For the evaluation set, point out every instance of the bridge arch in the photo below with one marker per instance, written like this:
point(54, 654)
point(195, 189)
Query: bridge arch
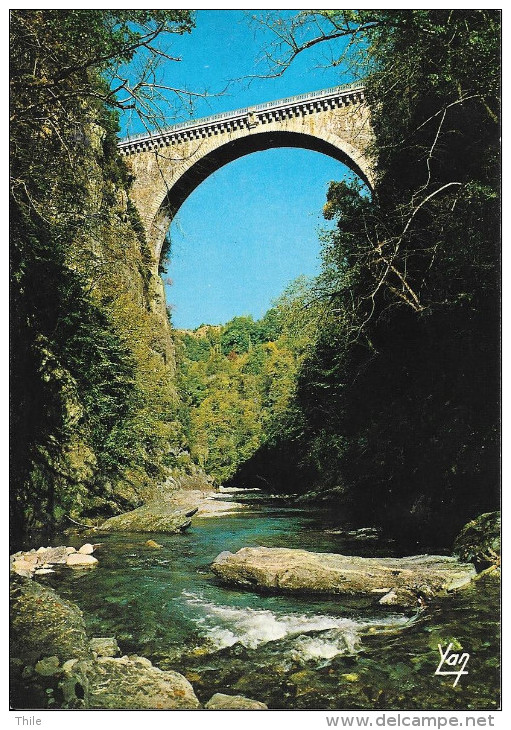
point(167, 166)
point(193, 174)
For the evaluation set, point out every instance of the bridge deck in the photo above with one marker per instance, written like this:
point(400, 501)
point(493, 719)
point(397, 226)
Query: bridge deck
point(348, 92)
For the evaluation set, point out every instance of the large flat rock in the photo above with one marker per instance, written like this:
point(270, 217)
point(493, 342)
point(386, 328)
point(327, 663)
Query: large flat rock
point(390, 581)
point(152, 517)
point(171, 514)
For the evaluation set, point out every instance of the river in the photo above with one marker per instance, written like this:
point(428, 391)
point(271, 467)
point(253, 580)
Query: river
point(290, 652)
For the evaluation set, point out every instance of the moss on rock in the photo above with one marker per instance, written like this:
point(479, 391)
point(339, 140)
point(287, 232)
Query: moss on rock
point(479, 541)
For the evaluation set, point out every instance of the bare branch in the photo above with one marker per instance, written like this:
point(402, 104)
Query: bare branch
point(321, 26)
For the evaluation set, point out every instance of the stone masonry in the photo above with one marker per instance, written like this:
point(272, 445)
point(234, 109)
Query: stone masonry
point(168, 165)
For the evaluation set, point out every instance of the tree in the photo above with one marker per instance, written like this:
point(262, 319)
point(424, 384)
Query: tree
point(239, 335)
point(87, 393)
point(397, 403)
point(55, 52)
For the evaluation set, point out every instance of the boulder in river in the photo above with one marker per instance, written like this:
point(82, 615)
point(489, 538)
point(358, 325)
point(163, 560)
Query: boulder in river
point(479, 541)
point(53, 555)
point(132, 683)
point(402, 582)
point(77, 560)
point(23, 567)
point(48, 666)
point(44, 624)
point(151, 517)
point(220, 701)
point(86, 549)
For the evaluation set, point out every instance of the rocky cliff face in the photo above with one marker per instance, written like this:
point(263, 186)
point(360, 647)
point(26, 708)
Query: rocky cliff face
point(112, 252)
point(95, 407)
point(112, 255)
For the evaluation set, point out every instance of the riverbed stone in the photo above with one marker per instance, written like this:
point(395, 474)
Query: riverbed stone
point(105, 646)
point(23, 568)
point(74, 683)
point(44, 624)
point(127, 684)
point(220, 701)
point(86, 549)
point(409, 580)
point(361, 534)
point(76, 560)
point(48, 666)
point(405, 596)
point(53, 555)
point(68, 665)
point(151, 517)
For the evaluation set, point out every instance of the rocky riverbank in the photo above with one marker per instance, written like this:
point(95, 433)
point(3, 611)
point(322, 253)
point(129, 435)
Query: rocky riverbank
point(54, 664)
point(172, 515)
point(46, 559)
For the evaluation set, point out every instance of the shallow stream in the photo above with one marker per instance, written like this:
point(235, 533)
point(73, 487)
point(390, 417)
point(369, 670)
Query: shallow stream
point(289, 652)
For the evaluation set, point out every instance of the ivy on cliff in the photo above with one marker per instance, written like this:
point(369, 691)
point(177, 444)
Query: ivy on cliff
point(91, 399)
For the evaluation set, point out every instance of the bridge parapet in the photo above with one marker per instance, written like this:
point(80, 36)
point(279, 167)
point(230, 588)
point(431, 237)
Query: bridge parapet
point(246, 118)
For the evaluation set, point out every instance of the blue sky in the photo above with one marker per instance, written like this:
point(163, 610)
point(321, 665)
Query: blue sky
point(251, 227)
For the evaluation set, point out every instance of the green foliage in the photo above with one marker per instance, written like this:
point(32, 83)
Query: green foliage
point(165, 255)
point(93, 405)
point(72, 384)
point(238, 335)
point(237, 382)
point(396, 408)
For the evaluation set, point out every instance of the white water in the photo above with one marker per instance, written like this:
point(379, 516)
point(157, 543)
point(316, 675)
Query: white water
point(316, 636)
point(231, 490)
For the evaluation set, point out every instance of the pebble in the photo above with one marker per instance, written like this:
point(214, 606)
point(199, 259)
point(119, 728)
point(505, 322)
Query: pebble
point(153, 544)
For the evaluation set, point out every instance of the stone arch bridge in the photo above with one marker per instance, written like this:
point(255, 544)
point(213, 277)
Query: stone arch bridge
point(168, 165)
